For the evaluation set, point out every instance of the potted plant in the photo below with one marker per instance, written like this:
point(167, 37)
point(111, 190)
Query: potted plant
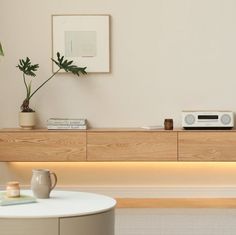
point(27, 115)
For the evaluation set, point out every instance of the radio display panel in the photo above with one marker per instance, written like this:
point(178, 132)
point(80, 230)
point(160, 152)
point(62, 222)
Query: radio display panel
point(213, 117)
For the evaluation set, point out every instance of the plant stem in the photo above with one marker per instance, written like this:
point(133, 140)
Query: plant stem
point(27, 92)
point(44, 83)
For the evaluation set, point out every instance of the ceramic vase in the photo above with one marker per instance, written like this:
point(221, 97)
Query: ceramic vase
point(27, 120)
point(41, 182)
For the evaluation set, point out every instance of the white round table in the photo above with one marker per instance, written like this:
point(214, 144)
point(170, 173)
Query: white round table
point(64, 213)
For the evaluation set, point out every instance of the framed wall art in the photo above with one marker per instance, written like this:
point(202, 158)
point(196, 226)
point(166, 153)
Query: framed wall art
point(85, 39)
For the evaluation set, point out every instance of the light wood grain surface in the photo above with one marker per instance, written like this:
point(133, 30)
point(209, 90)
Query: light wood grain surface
point(176, 203)
point(117, 144)
point(42, 146)
point(132, 146)
point(207, 146)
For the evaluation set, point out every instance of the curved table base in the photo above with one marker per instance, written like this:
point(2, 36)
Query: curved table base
point(94, 224)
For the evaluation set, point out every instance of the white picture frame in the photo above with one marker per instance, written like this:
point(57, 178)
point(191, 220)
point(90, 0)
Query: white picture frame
point(85, 39)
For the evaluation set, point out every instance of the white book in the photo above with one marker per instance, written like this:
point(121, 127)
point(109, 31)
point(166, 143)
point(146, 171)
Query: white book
point(81, 121)
point(65, 124)
point(23, 199)
point(157, 127)
point(66, 127)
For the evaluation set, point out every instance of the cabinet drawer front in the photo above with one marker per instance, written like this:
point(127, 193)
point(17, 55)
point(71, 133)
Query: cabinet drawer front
point(29, 226)
point(132, 146)
point(43, 146)
point(207, 146)
point(97, 224)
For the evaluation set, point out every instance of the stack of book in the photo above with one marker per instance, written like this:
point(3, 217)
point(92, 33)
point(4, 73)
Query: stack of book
point(23, 199)
point(67, 124)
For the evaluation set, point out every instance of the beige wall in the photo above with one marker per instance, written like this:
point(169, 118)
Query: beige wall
point(167, 55)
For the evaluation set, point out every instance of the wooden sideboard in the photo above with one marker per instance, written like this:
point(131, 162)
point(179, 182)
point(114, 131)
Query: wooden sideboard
point(41, 145)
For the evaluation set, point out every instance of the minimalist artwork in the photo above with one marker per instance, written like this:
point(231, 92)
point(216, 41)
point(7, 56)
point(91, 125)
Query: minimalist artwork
point(83, 39)
point(80, 44)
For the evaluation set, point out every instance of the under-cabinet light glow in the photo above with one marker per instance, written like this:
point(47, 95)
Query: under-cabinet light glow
point(125, 164)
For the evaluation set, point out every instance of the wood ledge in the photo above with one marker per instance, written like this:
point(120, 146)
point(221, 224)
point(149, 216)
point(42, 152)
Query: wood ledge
point(123, 203)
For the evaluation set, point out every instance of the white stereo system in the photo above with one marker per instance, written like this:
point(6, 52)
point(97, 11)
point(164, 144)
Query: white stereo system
point(207, 119)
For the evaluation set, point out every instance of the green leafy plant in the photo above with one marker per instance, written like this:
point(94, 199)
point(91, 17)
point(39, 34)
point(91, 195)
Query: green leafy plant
point(1, 50)
point(29, 70)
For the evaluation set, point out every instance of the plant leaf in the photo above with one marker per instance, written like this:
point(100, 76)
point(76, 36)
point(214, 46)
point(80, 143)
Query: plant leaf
point(1, 50)
point(27, 68)
point(68, 66)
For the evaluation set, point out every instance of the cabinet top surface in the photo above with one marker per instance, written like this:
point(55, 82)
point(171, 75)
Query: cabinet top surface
point(60, 204)
point(5, 130)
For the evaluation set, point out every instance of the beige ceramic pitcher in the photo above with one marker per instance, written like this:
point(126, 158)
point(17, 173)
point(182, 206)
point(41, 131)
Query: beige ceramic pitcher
point(41, 183)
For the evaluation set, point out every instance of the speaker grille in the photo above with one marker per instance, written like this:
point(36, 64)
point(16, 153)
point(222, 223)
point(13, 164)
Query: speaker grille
point(189, 119)
point(225, 119)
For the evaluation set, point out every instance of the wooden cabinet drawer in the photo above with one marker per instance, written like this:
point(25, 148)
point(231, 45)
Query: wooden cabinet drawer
point(207, 146)
point(132, 146)
point(43, 146)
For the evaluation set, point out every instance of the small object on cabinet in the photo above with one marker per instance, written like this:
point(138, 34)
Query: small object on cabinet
point(13, 189)
point(168, 124)
point(67, 123)
point(157, 127)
